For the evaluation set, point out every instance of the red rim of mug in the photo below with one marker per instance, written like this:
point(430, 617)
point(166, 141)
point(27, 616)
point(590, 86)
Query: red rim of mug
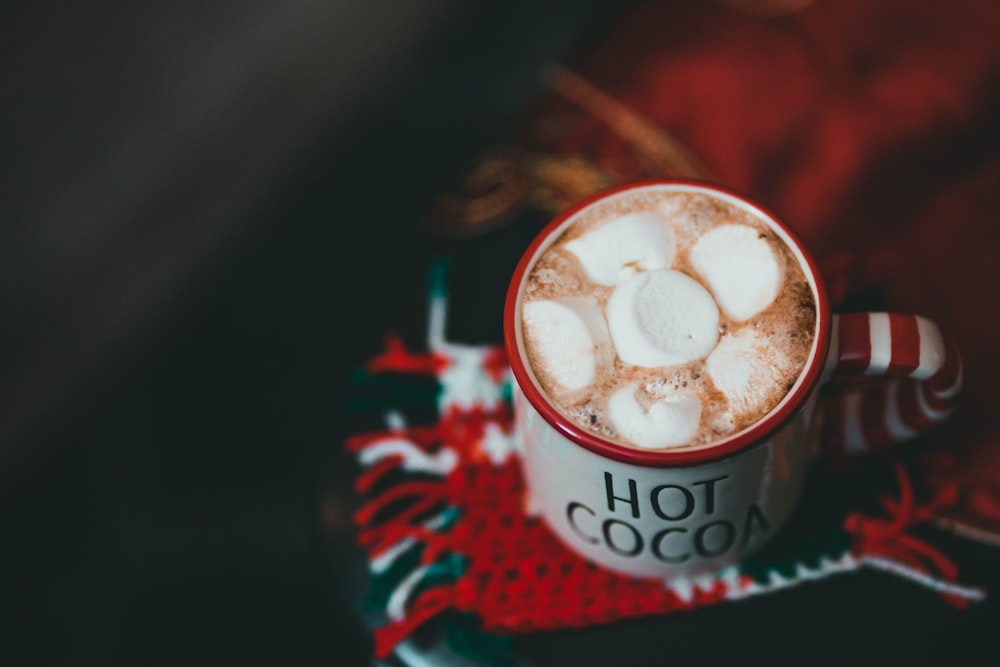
point(756, 434)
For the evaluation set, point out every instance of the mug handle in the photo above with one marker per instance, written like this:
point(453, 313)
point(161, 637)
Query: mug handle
point(889, 377)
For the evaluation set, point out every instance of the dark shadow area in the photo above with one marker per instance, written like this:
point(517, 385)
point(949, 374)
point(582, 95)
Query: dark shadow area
point(207, 213)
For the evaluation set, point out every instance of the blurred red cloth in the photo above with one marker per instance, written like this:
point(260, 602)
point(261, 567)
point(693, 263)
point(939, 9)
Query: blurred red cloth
point(869, 127)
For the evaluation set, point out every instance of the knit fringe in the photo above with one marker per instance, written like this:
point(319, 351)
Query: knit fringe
point(884, 544)
point(410, 515)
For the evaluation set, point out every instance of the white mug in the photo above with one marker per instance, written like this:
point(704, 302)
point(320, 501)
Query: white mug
point(686, 512)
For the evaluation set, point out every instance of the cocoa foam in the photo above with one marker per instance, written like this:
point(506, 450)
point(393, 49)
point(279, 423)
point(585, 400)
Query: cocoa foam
point(787, 324)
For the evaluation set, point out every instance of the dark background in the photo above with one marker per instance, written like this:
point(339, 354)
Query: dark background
point(205, 211)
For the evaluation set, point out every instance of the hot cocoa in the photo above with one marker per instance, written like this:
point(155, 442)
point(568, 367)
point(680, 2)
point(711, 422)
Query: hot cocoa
point(665, 318)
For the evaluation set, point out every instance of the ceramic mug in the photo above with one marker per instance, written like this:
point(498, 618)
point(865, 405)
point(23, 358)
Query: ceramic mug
point(686, 512)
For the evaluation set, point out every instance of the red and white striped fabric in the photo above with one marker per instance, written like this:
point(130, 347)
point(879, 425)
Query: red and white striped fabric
point(920, 373)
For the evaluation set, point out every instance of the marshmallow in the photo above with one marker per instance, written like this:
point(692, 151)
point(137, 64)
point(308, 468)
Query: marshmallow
point(569, 339)
point(618, 250)
point(662, 318)
point(669, 422)
point(740, 267)
point(750, 371)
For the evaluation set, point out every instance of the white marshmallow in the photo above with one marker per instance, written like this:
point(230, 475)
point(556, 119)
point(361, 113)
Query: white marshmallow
point(616, 251)
point(662, 318)
point(749, 370)
point(669, 422)
point(741, 268)
point(570, 341)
